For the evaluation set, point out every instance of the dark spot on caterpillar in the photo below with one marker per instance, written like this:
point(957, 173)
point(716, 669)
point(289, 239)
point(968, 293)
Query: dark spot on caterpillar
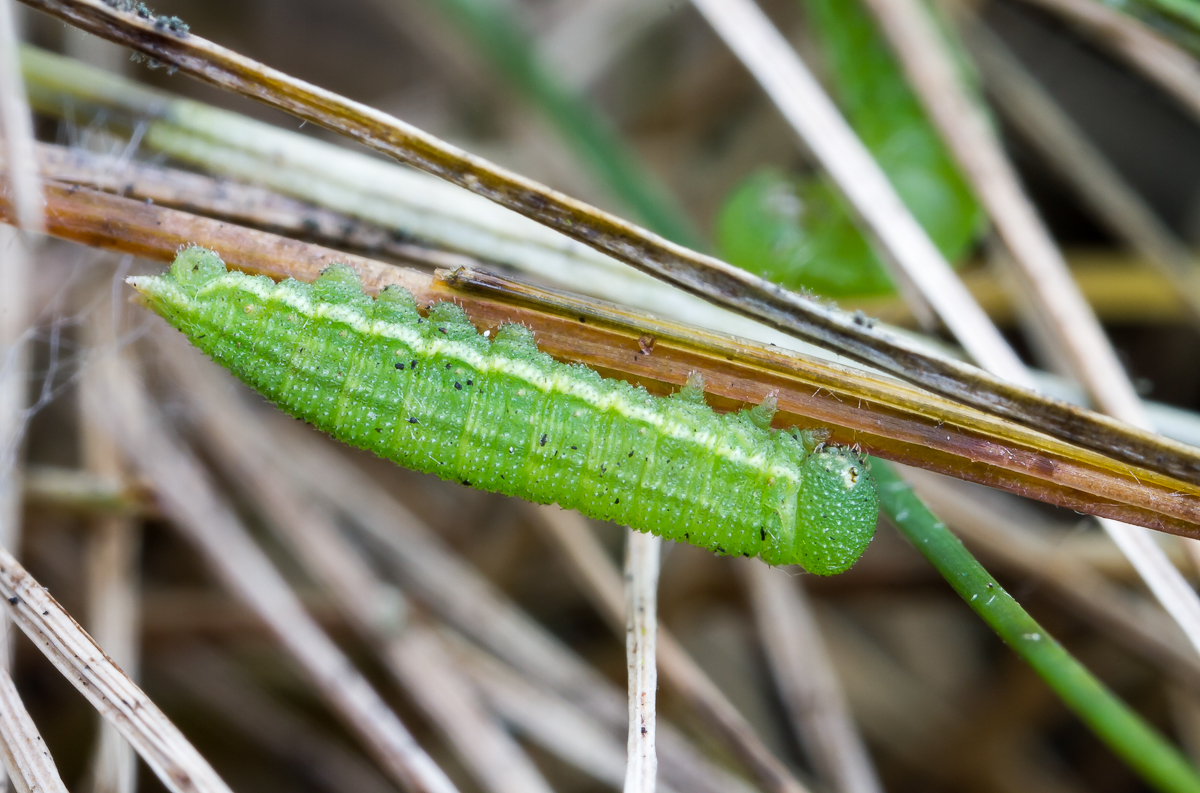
point(467, 483)
point(574, 447)
point(400, 366)
point(618, 501)
point(447, 366)
point(583, 319)
point(470, 382)
point(762, 532)
point(443, 330)
point(14, 601)
point(412, 365)
point(412, 421)
point(543, 441)
point(631, 453)
point(687, 535)
point(458, 386)
point(718, 549)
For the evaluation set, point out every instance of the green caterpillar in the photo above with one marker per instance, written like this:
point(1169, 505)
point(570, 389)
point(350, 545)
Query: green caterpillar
point(432, 394)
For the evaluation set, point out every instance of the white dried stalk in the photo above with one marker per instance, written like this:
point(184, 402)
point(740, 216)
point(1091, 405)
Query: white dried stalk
point(30, 767)
point(113, 551)
point(600, 580)
point(918, 267)
point(164, 749)
point(804, 674)
point(642, 553)
point(192, 503)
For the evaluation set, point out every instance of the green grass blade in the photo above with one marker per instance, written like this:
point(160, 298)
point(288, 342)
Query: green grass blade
point(500, 38)
point(1125, 732)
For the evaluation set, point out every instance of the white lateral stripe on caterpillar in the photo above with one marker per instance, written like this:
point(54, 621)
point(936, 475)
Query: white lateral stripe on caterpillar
point(560, 383)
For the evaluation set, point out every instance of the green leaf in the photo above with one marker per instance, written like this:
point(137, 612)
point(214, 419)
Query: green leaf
point(798, 233)
point(872, 91)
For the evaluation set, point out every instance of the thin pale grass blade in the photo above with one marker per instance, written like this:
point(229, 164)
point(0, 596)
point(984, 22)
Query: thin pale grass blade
point(118, 699)
point(884, 417)
point(806, 679)
point(16, 128)
point(642, 552)
point(193, 505)
point(1096, 182)
point(450, 588)
point(30, 767)
point(1147, 51)
point(923, 274)
point(243, 204)
point(23, 189)
point(374, 608)
point(111, 565)
point(1117, 285)
point(600, 580)
point(702, 275)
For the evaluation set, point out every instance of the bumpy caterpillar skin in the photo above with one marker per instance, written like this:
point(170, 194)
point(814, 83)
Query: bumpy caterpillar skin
point(434, 395)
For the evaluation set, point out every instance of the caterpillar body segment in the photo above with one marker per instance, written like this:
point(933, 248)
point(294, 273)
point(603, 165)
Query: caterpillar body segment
point(432, 394)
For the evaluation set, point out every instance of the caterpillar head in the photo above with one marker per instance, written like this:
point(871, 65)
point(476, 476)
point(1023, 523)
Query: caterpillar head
point(836, 511)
